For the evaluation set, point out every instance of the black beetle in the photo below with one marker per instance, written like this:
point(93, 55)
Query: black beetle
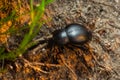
point(72, 33)
point(75, 34)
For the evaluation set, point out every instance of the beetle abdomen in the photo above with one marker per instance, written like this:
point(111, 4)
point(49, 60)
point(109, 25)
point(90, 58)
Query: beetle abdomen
point(77, 33)
point(73, 33)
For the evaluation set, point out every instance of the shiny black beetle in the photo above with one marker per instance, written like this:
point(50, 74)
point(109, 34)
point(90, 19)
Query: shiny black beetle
point(72, 33)
point(75, 34)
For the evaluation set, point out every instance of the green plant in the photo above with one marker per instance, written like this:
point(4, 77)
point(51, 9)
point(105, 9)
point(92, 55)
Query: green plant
point(27, 40)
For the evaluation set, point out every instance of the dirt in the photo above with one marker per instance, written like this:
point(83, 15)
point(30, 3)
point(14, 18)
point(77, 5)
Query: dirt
point(99, 61)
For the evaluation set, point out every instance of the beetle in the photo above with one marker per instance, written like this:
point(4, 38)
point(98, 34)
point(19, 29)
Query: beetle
point(73, 33)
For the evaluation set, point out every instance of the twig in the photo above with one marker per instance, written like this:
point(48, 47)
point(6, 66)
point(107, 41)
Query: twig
point(63, 60)
point(41, 39)
point(40, 46)
point(46, 64)
point(34, 64)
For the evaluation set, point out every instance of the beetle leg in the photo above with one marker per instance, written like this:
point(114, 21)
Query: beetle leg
point(82, 47)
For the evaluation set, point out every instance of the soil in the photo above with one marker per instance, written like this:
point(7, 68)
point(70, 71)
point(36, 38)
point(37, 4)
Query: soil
point(98, 59)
